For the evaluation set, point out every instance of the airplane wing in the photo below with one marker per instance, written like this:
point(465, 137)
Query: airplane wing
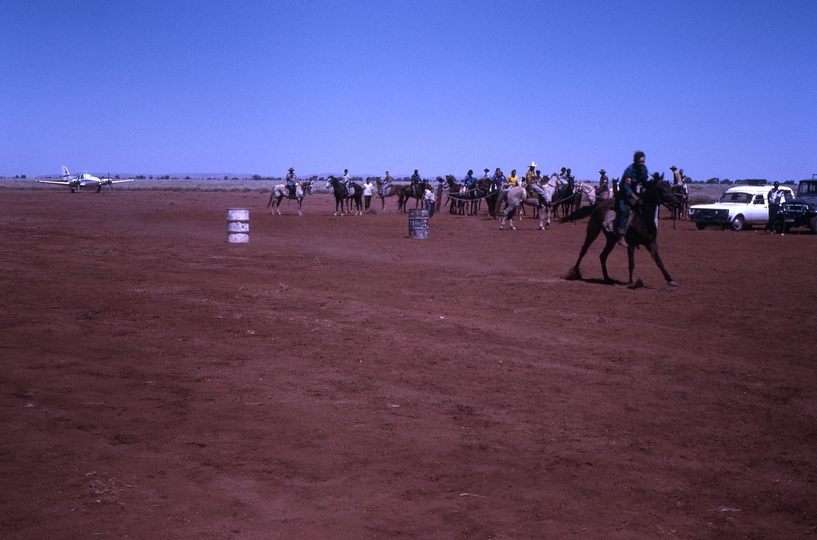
point(108, 181)
point(58, 182)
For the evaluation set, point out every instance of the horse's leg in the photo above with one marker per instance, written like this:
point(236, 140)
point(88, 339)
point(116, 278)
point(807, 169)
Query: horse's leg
point(301, 200)
point(631, 260)
point(590, 237)
point(653, 249)
point(541, 210)
point(612, 239)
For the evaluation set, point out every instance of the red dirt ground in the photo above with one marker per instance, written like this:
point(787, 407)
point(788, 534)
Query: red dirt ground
point(334, 378)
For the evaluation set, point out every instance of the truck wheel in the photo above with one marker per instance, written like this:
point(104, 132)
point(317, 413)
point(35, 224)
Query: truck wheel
point(737, 223)
point(813, 225)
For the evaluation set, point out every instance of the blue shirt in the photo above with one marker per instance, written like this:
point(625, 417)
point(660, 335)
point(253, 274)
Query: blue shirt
point(470, 181)
point(636, 178)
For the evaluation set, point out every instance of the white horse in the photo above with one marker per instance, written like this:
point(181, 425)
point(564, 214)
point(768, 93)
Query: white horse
point(516, 197)
point(553, 188)
point(281, 191)
point(586, 190)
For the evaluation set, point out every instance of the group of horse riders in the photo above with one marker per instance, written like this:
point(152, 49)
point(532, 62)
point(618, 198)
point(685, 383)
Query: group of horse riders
point(498, 181)
point(623, 192)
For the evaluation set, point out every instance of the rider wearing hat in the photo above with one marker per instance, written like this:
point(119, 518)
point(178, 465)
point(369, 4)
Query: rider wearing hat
point(676, 176)
point(603, 186)
point(292, 179)
point(532, 178)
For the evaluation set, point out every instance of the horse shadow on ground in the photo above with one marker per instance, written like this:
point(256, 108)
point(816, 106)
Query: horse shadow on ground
point(637, 284)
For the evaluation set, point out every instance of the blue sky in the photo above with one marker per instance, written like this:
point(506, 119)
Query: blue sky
point(723, 88)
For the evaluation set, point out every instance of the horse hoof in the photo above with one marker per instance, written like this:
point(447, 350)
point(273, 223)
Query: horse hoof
point(672, 283)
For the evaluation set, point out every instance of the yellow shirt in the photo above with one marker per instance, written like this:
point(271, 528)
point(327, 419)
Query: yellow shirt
point(512, 180)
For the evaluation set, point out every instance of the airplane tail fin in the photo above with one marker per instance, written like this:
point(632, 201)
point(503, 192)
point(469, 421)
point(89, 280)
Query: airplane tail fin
point(65, 174)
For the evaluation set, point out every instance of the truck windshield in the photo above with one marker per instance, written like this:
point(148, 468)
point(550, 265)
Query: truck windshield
point(736, 197)
point(807, 188)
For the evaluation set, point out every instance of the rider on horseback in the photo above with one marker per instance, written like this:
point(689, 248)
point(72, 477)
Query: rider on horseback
point(680, 189)
point(415, 181)
point(513, 179)
point(470, 181)
point(292, 179)
point(498, 179)
point(532, 178)
point(635, 175)
point(563, 176)
point(386, 184)
point(604, 186)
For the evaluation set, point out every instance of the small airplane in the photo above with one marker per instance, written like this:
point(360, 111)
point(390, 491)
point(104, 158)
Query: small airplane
point(84, 180)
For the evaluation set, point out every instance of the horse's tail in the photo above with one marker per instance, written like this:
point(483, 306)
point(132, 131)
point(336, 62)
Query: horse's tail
point(582, 212)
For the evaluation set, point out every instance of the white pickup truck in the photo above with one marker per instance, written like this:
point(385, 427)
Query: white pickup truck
point(739, 208)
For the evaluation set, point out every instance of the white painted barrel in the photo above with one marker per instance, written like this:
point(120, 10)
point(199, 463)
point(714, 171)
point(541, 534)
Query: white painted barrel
point(238, 225)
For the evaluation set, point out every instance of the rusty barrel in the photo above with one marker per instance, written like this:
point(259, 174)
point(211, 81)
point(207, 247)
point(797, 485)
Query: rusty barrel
point(238, 225)
point(418, 223)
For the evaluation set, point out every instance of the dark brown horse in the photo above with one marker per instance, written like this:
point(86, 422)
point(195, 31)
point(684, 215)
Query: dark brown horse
point(641, 231)
point(404, 194)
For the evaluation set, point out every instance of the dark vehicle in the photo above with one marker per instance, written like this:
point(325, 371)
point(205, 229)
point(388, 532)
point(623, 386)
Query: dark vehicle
point(801, 211)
